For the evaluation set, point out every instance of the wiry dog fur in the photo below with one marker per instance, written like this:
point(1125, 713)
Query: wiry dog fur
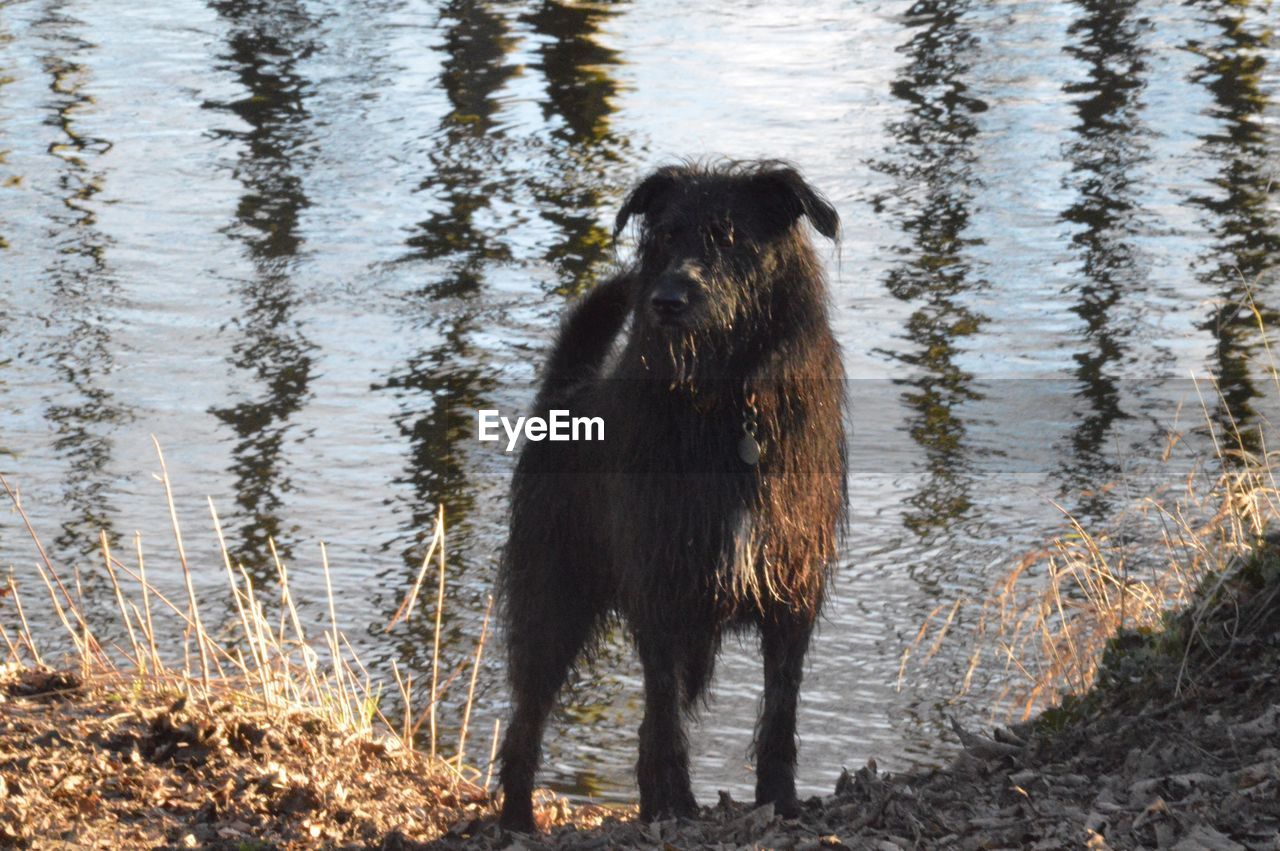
point(722, 321)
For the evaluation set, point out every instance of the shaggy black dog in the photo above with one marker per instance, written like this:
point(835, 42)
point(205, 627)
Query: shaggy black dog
point(717, 497)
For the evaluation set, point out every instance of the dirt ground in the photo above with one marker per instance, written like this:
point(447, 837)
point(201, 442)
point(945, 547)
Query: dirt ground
point(1177, 747)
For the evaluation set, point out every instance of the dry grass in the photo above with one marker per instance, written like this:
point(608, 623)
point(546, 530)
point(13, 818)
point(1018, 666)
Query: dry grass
point(268, 665)
point(270, 733)
point(1042, 628)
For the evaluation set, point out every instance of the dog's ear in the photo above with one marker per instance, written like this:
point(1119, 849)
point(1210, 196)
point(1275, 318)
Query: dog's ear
point(797, 198)
point(647, 199)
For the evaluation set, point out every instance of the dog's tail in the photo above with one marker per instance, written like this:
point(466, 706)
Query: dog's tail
point(588, 332)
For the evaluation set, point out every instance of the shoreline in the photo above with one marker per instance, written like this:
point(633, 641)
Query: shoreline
point(1177, 746)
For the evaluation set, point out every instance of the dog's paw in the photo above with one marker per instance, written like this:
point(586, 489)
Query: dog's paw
point(516, 820)
point(786, 806)
point(685, 807)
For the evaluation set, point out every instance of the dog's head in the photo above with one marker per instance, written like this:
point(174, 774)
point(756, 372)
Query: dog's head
point(717, 240)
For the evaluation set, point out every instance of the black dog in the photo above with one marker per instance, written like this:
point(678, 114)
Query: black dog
point(717, 497)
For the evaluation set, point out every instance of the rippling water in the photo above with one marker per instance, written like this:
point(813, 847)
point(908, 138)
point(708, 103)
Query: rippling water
point(301, 242)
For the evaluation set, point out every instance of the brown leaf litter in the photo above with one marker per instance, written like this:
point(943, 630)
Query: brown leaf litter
point(90, 766)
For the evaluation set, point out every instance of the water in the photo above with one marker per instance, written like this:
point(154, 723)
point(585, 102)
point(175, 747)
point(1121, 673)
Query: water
point(301, 242)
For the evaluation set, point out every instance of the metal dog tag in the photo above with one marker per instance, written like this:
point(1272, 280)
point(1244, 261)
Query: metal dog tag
point(749, 450)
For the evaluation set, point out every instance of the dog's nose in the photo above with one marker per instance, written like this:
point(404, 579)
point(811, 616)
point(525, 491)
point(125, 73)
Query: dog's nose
point(669, 299)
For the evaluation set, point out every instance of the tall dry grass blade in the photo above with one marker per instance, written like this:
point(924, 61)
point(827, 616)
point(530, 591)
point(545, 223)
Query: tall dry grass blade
point(915, 642)
point(405, 684)
point(186, 568)
point(81, 650)
point(406, 607)
point(974, 658)
point(258, 661)
point(22, 619)
point(335, 648)
point(1204, 408)
point(1262, 332)
point(471, 688)
point(288, 606)
point(457, 671)
point(943, 630)
point(75, 576)
point(13, 650)
point(124, 612)
point(435, 650)
point(85, 637)
point(44, 556)
point(493, 754)
point(258, 634)
point(152, 670)
point(355, 657)
point(146, 602)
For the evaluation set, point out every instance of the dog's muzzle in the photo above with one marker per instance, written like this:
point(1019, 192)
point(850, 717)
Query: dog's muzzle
point(670, 298)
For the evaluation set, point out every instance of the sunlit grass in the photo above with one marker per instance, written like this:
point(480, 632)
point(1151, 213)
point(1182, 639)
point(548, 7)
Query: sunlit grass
point(267, 664)
point(1041, 629)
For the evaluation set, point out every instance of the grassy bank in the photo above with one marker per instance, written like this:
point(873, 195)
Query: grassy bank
point(272, 735)
point(1043, 628)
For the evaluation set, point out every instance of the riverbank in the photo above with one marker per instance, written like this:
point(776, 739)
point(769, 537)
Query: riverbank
point(268, 734)
point(1177, 746)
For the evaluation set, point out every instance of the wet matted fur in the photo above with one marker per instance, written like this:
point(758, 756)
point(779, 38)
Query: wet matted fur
point(716, 343)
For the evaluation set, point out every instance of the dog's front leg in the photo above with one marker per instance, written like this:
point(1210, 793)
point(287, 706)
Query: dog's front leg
point(663, 769)
point(785, 638)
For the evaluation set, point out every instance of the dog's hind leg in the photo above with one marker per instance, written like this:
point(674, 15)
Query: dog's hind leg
point(785, 638)
point(663, 769)
point(587, 333)
point(697, 666)
point(543, 643)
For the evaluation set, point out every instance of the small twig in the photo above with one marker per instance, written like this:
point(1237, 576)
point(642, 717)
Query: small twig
point(981, 745)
